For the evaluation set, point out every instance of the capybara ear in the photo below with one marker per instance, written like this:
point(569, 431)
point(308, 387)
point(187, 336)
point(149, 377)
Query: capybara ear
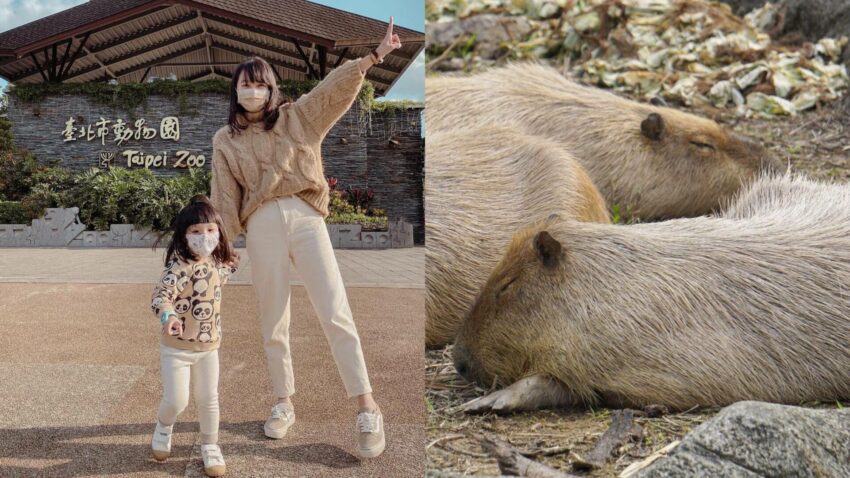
point(658, 101)
point(553, 216)
point(653, 126)
point(548, 248)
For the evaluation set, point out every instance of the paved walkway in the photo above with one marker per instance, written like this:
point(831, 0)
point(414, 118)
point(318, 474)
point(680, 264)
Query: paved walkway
point(80, 383)
point(388, 268)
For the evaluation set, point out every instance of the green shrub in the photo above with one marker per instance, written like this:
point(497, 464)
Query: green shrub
point(12, 212)
point(16, 174)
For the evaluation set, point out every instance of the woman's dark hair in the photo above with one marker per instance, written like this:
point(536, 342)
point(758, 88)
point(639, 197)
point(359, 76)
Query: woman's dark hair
point(199, 210)
point(258, 70)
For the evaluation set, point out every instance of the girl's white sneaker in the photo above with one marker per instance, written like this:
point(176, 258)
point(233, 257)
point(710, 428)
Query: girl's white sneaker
point(213, 460)
point(161, 441)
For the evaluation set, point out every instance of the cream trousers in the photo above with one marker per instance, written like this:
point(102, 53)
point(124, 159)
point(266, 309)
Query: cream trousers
point(289, 229)
point(177, 367)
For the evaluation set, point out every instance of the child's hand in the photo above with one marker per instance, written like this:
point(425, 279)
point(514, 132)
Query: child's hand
point(233, 262)
point(172, 326)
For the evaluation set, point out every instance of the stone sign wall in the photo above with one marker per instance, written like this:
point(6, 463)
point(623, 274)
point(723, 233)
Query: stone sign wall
point(383, 151)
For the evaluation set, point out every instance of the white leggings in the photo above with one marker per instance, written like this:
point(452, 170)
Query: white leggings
point(177, 366)
point(289, 229)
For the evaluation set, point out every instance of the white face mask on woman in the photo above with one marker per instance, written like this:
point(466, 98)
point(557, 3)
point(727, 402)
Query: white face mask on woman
point(252, 99)
point(202, 244)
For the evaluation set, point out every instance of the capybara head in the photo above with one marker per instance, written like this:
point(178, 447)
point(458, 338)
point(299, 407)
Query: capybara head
point(503, 327)
point(704, 164)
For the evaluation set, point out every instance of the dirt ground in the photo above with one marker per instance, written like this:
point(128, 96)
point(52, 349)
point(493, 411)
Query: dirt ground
point(816, 143)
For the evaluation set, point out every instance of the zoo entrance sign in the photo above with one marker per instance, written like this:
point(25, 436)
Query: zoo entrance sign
point(169, 128)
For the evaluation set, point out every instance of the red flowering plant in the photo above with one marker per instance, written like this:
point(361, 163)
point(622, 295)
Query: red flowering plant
point(351, 205)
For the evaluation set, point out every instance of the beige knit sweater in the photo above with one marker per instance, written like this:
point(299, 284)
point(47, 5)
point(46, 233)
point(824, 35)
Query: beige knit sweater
point(255, 165)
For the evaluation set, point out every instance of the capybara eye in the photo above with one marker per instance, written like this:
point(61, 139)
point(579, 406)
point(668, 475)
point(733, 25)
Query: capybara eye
point(705, 146)
point(504, 287)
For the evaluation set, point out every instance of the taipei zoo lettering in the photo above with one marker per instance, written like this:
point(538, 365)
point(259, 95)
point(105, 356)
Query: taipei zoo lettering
point(169, 128)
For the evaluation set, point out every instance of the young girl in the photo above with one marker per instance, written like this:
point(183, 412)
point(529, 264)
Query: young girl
point(187, 300)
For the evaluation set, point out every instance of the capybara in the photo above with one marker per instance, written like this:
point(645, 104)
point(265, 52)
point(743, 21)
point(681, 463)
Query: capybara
point(481, 185)
point(688, 312)
point(652, 162)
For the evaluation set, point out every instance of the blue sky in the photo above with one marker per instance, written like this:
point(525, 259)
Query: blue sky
point(407, 13)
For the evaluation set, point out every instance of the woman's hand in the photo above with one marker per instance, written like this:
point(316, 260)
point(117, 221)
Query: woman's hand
point(172, 326)
point(389, 43)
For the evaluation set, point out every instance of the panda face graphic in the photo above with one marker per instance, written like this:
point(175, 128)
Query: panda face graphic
point(182, 305)
point(181, 282)
point(202, 310)
point(217, 293)
point(170, 279)
point(201, 271)
point(170, 264)
point(205, 336)
point(157, 302)
point(200, 286)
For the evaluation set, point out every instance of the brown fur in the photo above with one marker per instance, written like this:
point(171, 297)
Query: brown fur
point(481, 184)
point(682, 166)
point(704, 311)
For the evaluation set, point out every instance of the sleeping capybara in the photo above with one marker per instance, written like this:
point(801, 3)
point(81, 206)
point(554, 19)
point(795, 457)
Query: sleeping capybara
point(481, 184)
point(653, 162)
point(688, 312)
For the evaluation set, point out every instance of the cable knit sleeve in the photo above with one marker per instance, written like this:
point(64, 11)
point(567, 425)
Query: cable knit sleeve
point(322, 107)
point(225, 193)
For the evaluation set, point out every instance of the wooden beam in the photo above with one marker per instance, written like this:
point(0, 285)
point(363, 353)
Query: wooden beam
point(247, 41)
point(272, 61)
point(65, 58)
point(131, 54)
point(207, 40)
point(310, 69)
point(144, 32)
point(53, 63)
point(323, 61)
point(76, 55)
point(38, 67)
point(340, 57)
point(156, 61)
point(145, 75)
point(99, 62)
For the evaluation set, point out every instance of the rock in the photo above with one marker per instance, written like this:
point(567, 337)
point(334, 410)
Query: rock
point(490, 31)
point(754, 439)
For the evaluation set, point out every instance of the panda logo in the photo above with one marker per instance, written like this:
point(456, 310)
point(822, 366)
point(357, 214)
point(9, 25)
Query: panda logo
point(170, 279)
point(217, 293)
point(182, 306)
point(205, 336)
point(157, 303)
point(170, 264)
point(181, 282)
point(202, 310)
point(201, 271)
point(200, 287)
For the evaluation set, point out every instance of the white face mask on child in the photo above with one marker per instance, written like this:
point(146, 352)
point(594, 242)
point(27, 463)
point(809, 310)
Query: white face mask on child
point(202, 244)
point(252, 99)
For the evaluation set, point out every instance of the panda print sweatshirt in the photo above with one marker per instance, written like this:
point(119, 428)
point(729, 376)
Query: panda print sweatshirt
point(192, 291)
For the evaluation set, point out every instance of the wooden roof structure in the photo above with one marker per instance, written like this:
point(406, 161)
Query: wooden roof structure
point(133, 40)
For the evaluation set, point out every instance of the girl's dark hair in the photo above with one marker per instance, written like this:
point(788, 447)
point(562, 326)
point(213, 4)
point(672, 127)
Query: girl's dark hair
point(258, 70)
point(199, 210)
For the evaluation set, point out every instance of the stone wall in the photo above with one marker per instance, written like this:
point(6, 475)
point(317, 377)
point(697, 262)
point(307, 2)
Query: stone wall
point(380, 150)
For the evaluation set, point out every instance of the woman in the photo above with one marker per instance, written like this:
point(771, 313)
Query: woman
point(268, 179)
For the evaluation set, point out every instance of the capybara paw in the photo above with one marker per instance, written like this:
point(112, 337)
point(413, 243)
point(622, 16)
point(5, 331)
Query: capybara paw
point(500, 401)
